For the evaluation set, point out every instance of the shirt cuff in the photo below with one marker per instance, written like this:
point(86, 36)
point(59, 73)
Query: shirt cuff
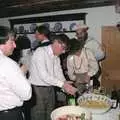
point(90, 74)
point(73, 77)
point(60, 84)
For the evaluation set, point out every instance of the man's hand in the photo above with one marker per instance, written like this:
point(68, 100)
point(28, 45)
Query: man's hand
point(24, 69)
point(87, 78)
point(69, 88)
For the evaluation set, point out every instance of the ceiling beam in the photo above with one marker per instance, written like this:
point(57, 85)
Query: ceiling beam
point(36, 6)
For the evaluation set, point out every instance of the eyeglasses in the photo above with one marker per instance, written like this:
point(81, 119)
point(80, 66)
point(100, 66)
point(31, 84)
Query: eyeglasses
point(64, 46)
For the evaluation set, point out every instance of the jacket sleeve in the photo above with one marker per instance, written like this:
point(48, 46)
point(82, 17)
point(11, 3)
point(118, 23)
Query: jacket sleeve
point(97, 49)
point(92, 62)
point(70, 68)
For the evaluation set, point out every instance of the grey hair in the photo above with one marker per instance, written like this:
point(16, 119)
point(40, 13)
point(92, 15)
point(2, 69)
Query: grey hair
point(5, 34)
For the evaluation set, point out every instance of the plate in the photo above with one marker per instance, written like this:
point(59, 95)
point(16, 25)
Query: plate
point(70, 110)
point(72, 26)
point(15, 29)
point(21, 29)
point(58, 27)
point(46, 25)
point(97, 104)
point(33, 27)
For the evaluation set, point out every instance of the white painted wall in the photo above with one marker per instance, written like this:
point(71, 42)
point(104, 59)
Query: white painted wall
point(95, 19)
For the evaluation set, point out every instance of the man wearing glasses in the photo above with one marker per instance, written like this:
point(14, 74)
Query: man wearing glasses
point(46, 72)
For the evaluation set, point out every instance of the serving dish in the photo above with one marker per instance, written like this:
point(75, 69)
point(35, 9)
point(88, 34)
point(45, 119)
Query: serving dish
point(58, 113)
point(97, 104)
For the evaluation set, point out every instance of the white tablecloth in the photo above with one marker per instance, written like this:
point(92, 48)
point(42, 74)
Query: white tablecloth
point(112, 114)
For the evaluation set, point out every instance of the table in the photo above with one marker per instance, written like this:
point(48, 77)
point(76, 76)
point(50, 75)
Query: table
point(112, 114)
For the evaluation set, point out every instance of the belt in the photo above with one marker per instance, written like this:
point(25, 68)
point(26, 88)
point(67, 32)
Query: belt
point(43, 86)
point(11, 110)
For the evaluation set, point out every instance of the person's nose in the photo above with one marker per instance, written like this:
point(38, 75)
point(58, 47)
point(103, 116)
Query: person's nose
point(14, 45)
point(35, 35)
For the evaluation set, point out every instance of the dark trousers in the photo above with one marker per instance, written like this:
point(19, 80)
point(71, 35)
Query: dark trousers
point(13, 114)
point(26, 109)
point(95, 78)
point(45, 103)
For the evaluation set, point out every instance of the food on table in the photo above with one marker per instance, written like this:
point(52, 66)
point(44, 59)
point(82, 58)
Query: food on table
point(94, 104)
point(71, 112)
point(72, 117)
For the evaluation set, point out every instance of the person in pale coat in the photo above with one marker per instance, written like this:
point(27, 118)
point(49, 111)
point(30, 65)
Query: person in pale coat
point(90, 42)
point(95, 46)
point(81, 64)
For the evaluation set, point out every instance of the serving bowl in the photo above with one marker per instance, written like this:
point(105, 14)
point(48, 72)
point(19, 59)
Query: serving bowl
point(58, 113)
point(96, 103)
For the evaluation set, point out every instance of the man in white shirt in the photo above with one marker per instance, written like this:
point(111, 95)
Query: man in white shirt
point(46, 72)
point(14, 87)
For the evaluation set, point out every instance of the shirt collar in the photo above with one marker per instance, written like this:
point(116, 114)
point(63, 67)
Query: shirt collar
point(1, 52)
point(46, 40)
point(50, 51)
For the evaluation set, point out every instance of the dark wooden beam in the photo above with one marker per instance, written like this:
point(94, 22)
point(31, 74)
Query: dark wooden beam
point(55, 5)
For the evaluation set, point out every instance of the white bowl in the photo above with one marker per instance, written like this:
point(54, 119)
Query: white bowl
point(103, 100)
point(67, 110)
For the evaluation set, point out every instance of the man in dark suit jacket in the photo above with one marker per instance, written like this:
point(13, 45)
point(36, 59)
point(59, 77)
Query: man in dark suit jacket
point(42, 35)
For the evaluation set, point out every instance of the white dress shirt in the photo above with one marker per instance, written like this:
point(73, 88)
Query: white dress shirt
point(45, 68)
point(95, 47)
point(85, 63)
point(14, 87)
